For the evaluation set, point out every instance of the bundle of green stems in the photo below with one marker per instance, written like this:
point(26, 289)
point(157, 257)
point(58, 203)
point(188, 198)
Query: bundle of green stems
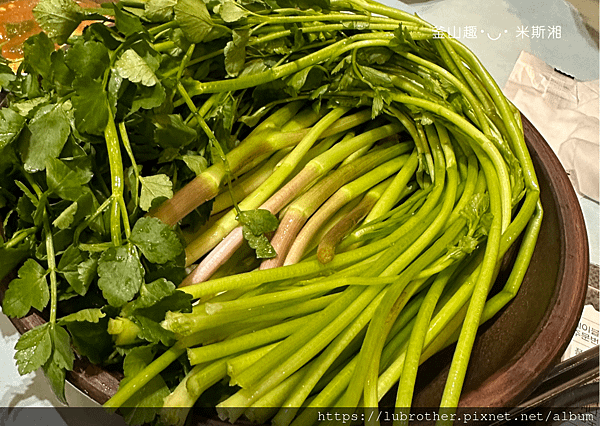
point(397, 200)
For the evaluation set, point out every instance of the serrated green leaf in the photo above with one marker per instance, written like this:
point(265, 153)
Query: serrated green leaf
point(33, 349)
point(134, 68)
point(159, 10)
point(235, 52)
point(172, 132)
point(56, 376)
point(67, 178)
point(135, 361)
point(254, 67)
point(13, 256)
point(60, 360)
point(120, 274)
point(59, 18)
point(66, 218)
point(31, 85)
point(62, 355)
point(78, 269)
point(11, 124)
point(48, 133)
point(101, 32)
point(148, 97)
point(374, 55)
point(37, 52)
point(7, 77)
point(27, 107)
point(297, 80)
point(87, 58)
point(194, 19)
point(466, 244)
point(62, 75)
point(153, 332)
point(230, 11)
point(86, 272)
point(255, 224)
point(260, 243)
point(126, 22)
point(259, 221)
point(196, 163)
point(154, 188)
point(375, 77)
point(90, 104)
point(92, 315)
point(156, 240)
point(154, 292)
point(157, 298)
point(28, 291)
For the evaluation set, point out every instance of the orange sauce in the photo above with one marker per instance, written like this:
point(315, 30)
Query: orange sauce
point(17, 23)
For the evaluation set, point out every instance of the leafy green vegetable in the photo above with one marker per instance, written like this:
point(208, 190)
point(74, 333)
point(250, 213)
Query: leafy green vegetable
point(159, 10)
point(120, 274)
point(47, 134)
point(34, 348)
point(196, 163)
point(91, 106)
point(230, 11)
point(11, 124)
point(126, 22)
point(133, 67)
point(13, 256)
point(37, 51)
point(78, 269)
point(154, 188)
point(62, 355)
point(158, 242)
point(28, 291)
point(142, 316)
point(172, 132)
point(255, 224)
point(58, 18)
point(67, 178)
point(193, 18)
point(235, 53)
point(91, 339)
point(66, 218)
point(91, 315)
point(87, 58)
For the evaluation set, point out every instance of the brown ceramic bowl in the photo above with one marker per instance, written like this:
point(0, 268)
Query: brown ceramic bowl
point(516, 349)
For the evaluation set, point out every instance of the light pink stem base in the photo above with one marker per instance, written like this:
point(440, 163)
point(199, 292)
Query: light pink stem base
point(229, 245)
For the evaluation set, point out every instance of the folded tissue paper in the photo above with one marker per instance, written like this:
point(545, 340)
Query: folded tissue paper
point(565, 111)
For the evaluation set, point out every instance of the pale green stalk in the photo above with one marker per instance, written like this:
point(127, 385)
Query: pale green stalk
point(247, 341)
point(391, 196)
point(341, 197)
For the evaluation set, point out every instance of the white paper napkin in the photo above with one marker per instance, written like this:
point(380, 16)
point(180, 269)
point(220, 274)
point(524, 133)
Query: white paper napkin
point(566, 113)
